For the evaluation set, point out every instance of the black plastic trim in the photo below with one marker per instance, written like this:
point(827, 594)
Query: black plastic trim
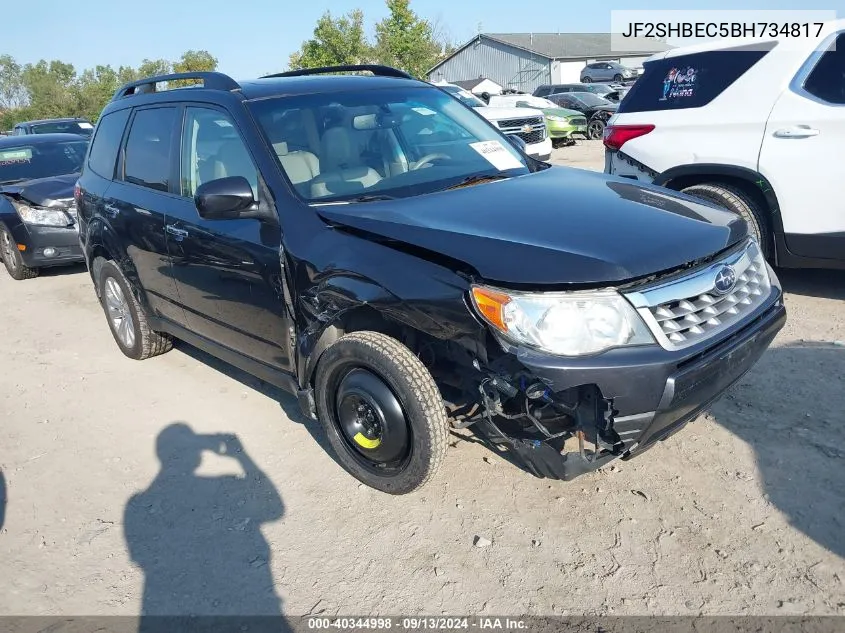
point(280, 379)
point(824, 249)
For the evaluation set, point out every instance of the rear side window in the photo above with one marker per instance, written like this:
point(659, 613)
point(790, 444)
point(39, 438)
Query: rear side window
point(147, 162)
point(542, 91)
point(103, 154)
point(689, 81)
point(827, 79)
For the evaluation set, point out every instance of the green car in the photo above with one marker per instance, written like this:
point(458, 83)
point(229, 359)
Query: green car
point(561, 122)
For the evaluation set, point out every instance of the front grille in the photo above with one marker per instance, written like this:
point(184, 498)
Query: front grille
point(529, 129)
point(533, 137)
point(578, 121)
point(691, 309)
point(520, 122)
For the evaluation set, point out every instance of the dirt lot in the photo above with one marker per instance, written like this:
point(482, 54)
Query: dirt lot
point(741, 513)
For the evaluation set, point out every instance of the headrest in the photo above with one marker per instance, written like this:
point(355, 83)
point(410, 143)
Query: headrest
point(281, 148)
point(336, 148)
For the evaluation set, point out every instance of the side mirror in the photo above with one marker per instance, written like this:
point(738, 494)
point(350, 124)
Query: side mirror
point(517, 142)
point(225, 199)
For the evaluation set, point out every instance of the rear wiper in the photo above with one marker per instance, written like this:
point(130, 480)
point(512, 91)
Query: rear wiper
point(474, 180)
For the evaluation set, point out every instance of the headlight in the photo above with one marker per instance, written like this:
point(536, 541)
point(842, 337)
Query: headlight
point(563, 323)
point(44, 217)
point(554, 117)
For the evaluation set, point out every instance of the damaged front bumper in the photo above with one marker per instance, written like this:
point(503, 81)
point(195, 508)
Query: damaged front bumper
point(625, 400)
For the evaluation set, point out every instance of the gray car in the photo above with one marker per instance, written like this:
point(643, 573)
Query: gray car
point(607, 71)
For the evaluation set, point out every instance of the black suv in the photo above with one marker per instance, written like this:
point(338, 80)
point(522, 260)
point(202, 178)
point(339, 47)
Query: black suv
point(76, 125)
point(379, 249)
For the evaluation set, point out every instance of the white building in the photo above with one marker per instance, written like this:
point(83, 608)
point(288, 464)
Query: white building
point(526, 60)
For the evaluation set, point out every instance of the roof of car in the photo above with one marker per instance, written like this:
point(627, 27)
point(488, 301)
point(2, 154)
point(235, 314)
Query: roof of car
point(310, 84)
point(63, 120)
point(39, 139)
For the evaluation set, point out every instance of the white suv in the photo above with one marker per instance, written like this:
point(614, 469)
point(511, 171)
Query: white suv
point(758, 128)
point(529, 126)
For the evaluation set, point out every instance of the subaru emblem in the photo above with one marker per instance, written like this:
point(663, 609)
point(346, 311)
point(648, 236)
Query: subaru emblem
point(725, 280)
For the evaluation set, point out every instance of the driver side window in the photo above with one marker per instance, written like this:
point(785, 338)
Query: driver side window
point(212, 149)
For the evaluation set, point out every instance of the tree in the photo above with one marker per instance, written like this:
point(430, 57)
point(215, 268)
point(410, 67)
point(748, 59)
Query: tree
point(195, 61)
point(406, 41)
point(49, 86)
point(12, 90)
point(153, 67)
point(93, 89)
point(336, 41)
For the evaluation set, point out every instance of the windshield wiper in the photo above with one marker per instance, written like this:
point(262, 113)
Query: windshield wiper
point(475, 180)
point(367, 198)
point(372, 197)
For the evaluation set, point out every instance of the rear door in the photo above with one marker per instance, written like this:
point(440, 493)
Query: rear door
point(801, 154)
point(141, 196)
point(228, 272)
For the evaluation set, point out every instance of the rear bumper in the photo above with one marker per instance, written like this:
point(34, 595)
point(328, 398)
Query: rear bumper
point(654, 392)
point(64, 243)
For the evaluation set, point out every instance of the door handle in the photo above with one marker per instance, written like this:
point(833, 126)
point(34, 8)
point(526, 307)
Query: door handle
point(797, 131)
point(176, 232)
point(111, 210)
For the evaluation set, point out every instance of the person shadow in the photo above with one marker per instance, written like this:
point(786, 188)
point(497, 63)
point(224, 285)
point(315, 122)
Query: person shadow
point(198, 538)
point(2, 499)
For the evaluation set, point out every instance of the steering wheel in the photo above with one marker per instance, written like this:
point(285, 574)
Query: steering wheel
point(428, 159)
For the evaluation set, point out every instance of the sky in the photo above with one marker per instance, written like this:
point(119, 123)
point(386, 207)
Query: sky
point(255, 37)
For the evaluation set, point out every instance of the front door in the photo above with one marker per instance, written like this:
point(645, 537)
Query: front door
point(228, 272)
point(801, 154)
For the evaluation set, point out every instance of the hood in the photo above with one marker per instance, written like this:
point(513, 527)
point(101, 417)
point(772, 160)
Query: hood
point(559, 226)
point(55, 191)
point(497, 114)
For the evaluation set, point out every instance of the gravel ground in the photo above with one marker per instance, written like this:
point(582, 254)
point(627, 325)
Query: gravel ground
point(743, 512)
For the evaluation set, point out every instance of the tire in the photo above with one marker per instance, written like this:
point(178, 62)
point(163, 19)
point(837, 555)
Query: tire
point(11, 257)
point(122, 310)
point(735, 199)
point(595, 129)
point(399, 392)
point(618, 78)
point(586, 80)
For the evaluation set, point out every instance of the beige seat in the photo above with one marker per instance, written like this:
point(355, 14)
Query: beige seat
point(300, 166)
point(343, 170)
point(232, 159)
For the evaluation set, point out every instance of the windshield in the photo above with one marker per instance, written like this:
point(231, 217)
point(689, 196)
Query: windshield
point(64, 127)
point(464, 96)
point(590, 99)
point(396, 142)
point(40, 160)
point(599, 89)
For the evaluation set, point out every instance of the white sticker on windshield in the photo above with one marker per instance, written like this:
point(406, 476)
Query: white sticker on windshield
point(496, 155)
point(85, 126)
point(424, 111)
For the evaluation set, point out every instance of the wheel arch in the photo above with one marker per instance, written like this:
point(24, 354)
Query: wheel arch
point(750, 181)
point(348, 305)
point(102, 242)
